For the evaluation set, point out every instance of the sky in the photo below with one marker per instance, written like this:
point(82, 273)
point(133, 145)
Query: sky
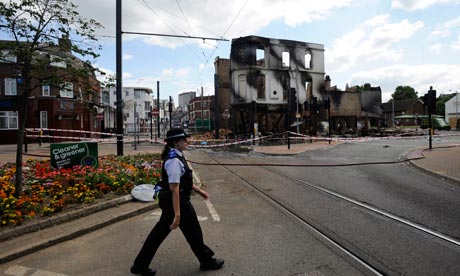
point(386, 43)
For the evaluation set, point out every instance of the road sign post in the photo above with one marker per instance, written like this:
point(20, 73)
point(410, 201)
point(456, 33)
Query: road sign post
point(226, 116)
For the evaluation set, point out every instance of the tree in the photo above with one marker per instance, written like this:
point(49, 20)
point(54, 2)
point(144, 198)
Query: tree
point(35, 27)
point(404, 92)
point(440, 103)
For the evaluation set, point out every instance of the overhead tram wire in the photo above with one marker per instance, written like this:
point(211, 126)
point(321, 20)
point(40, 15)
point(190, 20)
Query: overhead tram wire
point(170, 27)
point(172, 30)
point(191, 30)
point(183, 15)
point(218, 42)
point(175, 15)
point(179, 36)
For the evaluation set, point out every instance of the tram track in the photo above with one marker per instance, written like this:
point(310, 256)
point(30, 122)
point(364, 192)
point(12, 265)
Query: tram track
point(355, 260)
point(339, 246)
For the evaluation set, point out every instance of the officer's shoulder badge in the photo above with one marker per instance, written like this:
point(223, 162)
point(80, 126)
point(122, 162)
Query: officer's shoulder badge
point(172, 154)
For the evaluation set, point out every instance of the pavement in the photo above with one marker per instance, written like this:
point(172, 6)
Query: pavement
point(38, 234)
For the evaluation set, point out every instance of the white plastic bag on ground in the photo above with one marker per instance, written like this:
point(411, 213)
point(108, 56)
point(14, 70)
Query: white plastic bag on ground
point(143, 192)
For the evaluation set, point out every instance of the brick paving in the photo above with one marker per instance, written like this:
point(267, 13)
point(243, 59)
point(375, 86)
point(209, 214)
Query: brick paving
point(443, 161)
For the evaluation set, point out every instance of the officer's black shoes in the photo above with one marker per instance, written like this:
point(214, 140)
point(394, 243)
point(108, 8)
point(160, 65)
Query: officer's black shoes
point(147, 272)
point(213, 264)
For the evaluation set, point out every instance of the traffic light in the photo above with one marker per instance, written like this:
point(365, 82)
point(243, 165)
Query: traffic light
point(292, 99)
point(306, 105)
point(314, 104)
point(327, 103)
point(429, 100)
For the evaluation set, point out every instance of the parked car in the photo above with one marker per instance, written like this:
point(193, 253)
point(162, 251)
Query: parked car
point(437, 122)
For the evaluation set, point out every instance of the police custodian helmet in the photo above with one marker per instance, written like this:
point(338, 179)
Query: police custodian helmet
point(175, 134)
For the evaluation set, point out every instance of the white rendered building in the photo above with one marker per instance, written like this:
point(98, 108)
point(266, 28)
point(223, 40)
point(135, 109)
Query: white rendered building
point(137, 105)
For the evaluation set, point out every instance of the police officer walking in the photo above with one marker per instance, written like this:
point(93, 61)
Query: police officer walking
point(177, 210)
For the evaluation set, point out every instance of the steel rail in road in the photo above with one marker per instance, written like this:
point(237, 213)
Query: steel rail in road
point(356, 261)
point(372, 208)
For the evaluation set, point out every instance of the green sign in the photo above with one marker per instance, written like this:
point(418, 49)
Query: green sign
point(67, 155)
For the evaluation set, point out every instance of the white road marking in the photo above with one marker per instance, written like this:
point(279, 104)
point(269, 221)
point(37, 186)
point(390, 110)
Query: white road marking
point(19, 270)
point(200, 218)
point(47, 273)
point(156, 213)
point(215, 216)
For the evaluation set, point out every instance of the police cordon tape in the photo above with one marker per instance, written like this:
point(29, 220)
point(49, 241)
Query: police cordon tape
point(79, 132)
point(70, 130)
point(226, 143)
point(208, 143)
point(360, 139)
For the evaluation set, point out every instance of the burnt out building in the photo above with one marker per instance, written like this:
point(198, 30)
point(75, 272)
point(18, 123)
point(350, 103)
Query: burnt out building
point(256, 87)
point(261, 74)
point(355, 108)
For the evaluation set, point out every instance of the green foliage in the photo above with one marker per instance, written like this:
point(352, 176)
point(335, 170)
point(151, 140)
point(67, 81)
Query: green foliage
point(35, 27)
point(440, 104)
point(404, 92)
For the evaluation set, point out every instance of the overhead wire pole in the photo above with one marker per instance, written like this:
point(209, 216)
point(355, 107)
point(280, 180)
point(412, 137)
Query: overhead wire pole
point(158, 107)
point(118, 80)
point(119, 72)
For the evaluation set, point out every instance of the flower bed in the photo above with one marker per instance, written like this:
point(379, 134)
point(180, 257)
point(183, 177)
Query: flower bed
point(48, 191)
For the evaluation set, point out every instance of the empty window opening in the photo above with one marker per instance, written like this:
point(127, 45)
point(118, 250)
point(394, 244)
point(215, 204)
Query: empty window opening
point(260, 57)
point(307, 60)
point(285, 59)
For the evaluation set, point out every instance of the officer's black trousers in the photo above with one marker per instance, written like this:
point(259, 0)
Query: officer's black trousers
point(189, 226)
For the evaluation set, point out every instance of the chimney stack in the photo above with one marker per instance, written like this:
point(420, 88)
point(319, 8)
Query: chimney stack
point(64, 44)
point(327, 83)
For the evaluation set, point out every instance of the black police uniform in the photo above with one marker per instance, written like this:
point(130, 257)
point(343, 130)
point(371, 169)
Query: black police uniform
point(189, 224)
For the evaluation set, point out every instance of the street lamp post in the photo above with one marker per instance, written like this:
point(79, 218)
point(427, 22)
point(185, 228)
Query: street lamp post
point(226, 116)
point(456, 108)
point(136, 118)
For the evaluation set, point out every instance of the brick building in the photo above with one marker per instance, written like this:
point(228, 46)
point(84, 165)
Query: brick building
point(200, 113)
point(71, 105)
